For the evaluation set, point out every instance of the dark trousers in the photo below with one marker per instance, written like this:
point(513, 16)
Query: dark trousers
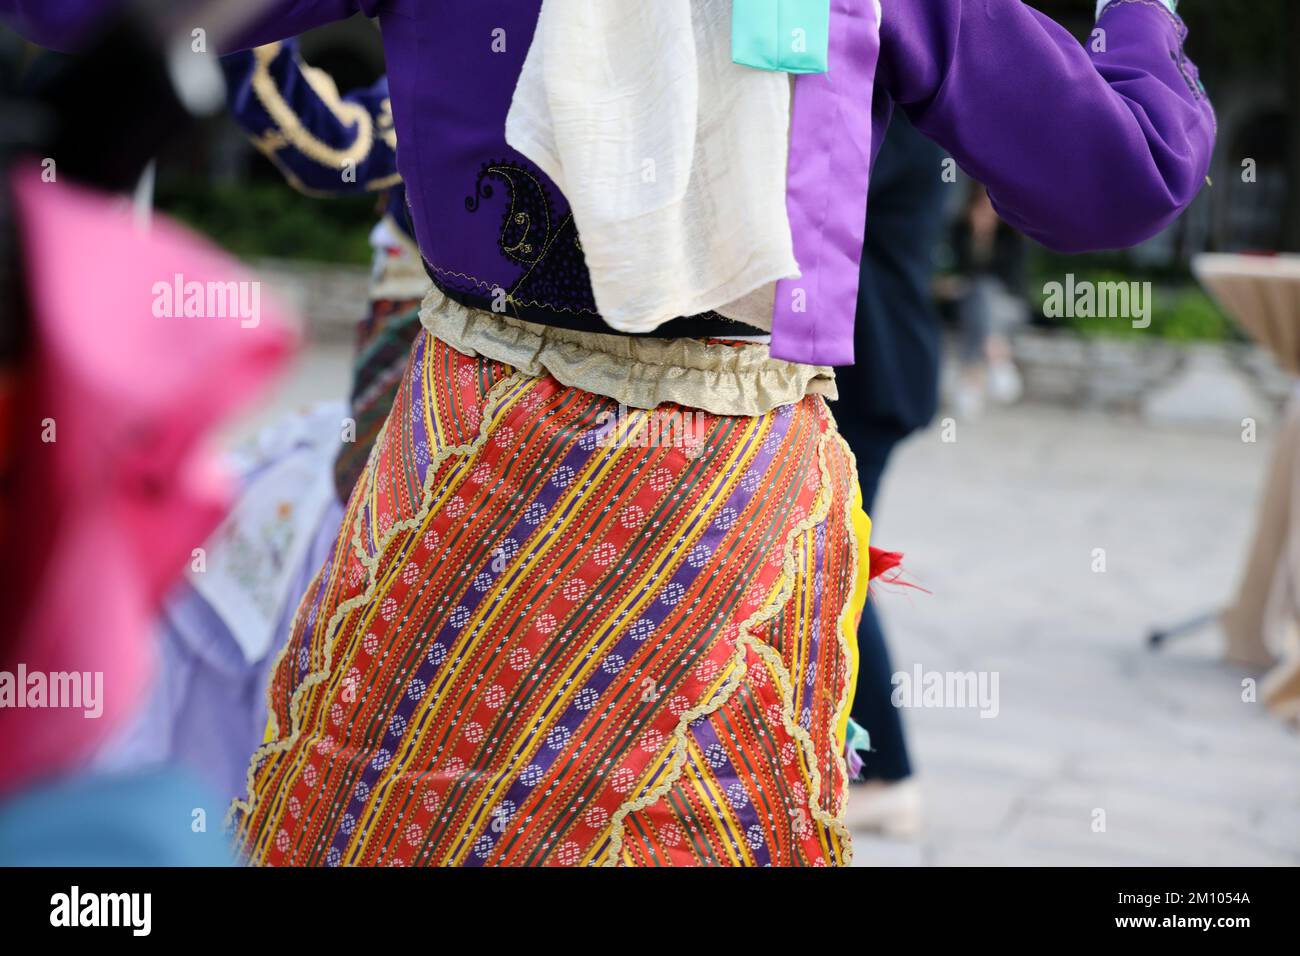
point(872, 706)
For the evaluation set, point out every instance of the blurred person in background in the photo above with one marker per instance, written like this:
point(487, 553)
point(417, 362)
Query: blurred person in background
point(107, 413)
point(889, 393)
point(532, 645)
point(331, 144)
point(990, 260)
point(226, 623)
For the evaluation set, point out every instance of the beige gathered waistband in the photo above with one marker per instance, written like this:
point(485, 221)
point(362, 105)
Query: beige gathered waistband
point(640, 372)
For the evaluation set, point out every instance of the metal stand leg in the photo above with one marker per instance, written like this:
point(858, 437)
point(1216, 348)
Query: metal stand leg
point(1156, 638)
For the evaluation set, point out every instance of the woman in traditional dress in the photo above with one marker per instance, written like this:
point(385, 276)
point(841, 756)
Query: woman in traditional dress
point(595, 595)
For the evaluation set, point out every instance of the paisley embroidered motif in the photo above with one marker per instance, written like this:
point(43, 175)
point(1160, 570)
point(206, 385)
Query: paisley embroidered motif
point(532, 236)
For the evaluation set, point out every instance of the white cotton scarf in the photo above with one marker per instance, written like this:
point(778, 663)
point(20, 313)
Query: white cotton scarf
point(672, 158)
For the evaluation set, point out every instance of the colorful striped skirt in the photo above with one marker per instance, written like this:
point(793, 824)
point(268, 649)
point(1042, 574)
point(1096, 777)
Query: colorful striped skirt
point(555, 631)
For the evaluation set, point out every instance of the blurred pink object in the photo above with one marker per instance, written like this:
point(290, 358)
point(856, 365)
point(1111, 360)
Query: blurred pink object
point(105, 517)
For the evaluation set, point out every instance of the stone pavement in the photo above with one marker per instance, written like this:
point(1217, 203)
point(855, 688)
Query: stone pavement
point(1002, 526)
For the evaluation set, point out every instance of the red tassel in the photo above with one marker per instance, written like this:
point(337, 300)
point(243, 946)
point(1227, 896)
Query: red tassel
point(887, 566)
point(882, 561)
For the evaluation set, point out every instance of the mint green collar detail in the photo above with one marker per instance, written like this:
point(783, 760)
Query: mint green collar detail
point(782, 36)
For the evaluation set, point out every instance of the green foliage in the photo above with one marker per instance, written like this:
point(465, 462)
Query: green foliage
point(256, 219)
point(1189, 315)
point(1179, 312)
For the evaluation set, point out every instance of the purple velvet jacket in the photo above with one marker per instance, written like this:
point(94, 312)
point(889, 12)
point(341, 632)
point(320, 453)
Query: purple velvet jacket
point(1080, 149)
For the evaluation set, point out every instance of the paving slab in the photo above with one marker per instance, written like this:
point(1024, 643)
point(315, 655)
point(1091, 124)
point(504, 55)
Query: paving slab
point(1003, 527)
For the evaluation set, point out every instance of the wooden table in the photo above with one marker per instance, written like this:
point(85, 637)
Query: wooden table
point(1262, 626)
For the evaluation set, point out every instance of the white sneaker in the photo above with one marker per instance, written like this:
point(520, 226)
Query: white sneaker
point(890, 809)
point(1005, 384)
point(968, 401)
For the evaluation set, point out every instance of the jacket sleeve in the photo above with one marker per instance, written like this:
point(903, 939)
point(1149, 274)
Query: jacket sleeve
point(1082, 147)
point(323, 142)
